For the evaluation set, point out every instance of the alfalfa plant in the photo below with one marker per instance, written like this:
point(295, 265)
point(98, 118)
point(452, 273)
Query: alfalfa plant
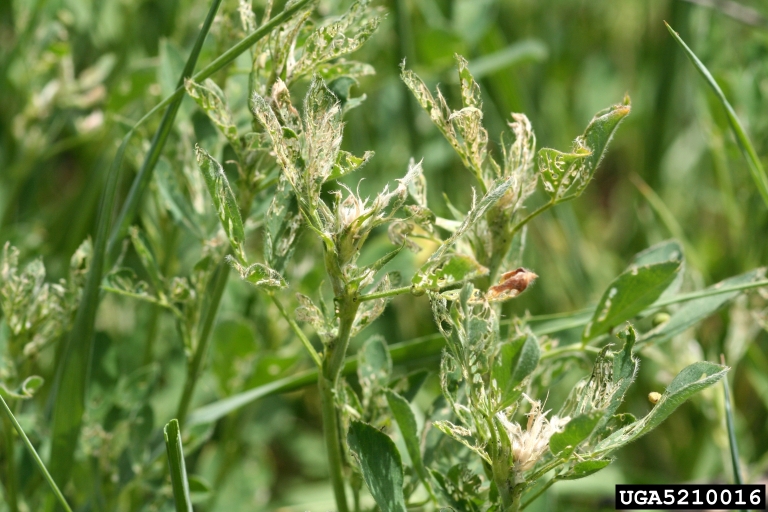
point(489, 443)
point(488, 378)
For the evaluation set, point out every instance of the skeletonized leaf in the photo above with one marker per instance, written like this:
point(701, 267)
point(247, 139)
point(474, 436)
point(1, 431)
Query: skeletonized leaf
point(462, 435)
point(323, 129)
point(308, 312)
point(560, 171)
point(124, 282)
point(347, 163)
point(374, 366)
point(634, 290)
point(282, 225)
point(604, 390)
point(370, 310)
point(344, 68)
point(259, 275)
point(474, 214)
point(210, 98)
point(331, 41)
point(223, 200)
point(283, 142)
point(455, 268)
point(380, 464)
point(566, 175)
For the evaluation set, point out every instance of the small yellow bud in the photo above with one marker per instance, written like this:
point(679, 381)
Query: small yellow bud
point(654, 397)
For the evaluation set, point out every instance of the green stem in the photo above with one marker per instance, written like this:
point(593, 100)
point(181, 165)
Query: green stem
point(538, 211)
point(297, 330)
point(332, 435)
point(35, 456)
point(381, 295)
point(333, 363)
point(575, 348)
point(203, 341)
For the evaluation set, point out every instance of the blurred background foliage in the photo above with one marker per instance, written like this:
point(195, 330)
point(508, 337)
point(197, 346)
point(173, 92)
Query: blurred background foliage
point(76, 74)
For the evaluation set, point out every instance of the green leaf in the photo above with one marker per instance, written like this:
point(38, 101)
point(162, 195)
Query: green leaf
point(259, 275)
point(697, 310)
point(403, 414)
point(750, 155)
point(585, 468)
point(223, 200)
point(688, 382)
point(177, 467)
point(563, 444)
point(634, 290)
point(668, 250)
point(516, 360)
point(380, 464)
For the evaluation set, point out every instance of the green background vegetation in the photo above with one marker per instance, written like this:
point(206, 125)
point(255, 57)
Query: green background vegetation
point(76, 74)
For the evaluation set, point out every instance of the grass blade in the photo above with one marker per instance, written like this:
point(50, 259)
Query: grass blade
point(35, 456)
point(177, 467)
point(140, 183)
point(755, 167)
point(73, 368)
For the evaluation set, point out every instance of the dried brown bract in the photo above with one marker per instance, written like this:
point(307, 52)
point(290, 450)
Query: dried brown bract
point(511, 284)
